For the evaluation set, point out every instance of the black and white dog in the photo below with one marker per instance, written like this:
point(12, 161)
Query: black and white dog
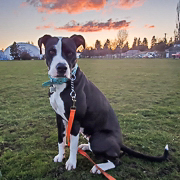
point(94, 116)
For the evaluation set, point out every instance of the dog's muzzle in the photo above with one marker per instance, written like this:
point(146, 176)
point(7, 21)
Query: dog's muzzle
point(61, 69)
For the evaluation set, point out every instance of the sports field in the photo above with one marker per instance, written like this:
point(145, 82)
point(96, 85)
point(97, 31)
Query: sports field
point(144, 93)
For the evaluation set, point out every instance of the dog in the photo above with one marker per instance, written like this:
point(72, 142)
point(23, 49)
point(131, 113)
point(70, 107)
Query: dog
point(94, 116)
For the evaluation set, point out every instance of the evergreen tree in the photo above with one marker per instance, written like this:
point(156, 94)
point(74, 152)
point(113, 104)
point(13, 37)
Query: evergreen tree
point(145, 42)
point(14, 51)
point(153, 42)
point(134, 43)
point(107, 44)
point(170, 43)
point(126, 47)
point(98, 44)
point(139, 42)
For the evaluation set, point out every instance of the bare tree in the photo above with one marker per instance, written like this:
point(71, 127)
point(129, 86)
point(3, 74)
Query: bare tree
point(114, 44)
point(122, 36)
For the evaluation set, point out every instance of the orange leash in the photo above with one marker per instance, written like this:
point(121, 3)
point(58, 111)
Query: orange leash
point(70, 123)
point(83, 153)
point(103, 172)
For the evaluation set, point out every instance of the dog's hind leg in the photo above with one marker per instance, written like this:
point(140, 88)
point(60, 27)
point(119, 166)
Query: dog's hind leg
point(104, 166)
point(106, 146)
point(85, 147)
point(61, 124)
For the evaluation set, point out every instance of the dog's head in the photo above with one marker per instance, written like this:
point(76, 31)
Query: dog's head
point(60, 53)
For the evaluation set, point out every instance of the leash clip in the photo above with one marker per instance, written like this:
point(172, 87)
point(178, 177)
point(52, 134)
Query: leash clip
point(74, 103)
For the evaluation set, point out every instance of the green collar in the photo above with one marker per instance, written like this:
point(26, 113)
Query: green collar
point(59, 80)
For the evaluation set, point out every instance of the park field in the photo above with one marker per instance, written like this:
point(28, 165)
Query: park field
point(144, 93)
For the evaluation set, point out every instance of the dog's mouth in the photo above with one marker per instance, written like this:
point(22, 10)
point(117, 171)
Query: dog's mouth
point(60, 76)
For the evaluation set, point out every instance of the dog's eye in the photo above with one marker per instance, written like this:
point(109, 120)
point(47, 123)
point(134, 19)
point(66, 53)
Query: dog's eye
point(52, 52)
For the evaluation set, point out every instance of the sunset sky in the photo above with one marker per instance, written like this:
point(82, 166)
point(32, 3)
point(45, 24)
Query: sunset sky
point(27, 20)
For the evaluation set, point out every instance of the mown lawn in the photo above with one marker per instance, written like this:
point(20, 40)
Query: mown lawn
point(145, 95)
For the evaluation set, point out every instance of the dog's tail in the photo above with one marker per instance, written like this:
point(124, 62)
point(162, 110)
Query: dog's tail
point(142, 156)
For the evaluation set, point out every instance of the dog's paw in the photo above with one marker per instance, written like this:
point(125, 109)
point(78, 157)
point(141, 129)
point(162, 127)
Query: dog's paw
point(58, 158)
point(95, 170)
point(71, 164)
point(103, 166)
point(84, 147)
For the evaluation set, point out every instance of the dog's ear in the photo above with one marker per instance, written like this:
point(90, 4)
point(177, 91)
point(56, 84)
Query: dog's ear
point(79, 40)
point(43, 40)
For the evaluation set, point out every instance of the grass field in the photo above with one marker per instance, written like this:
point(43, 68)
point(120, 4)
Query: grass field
point(145, 95)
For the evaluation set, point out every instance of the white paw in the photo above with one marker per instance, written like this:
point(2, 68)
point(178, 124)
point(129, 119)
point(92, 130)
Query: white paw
point(70, 164)
point(58, 158)
point(84, 147)
point(103, 166)
point(95, 170)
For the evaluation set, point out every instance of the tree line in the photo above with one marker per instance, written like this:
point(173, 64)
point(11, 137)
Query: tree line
point(121, 45)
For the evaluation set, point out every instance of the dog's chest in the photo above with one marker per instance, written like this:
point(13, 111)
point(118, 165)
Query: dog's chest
point(56, 101)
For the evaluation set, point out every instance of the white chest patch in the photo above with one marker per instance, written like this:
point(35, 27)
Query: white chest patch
point(56, 101)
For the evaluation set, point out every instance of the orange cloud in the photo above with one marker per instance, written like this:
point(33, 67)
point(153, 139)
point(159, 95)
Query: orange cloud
point(78, 6)
point(91, 26)
point(51, 25)
point(23, 4)
point(127, 4)
point(149, 26)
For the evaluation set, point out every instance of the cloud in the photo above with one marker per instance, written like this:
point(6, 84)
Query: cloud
point(24, 4)
point(149, 26)
point(45, 26)
point(91, 26)
point(79, 6)
point(128, 4)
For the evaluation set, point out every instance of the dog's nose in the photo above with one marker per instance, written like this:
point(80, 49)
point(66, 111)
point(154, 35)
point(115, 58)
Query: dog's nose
point(61, 68)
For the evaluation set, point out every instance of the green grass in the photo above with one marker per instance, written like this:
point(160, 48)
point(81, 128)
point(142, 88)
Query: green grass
point(145, 95)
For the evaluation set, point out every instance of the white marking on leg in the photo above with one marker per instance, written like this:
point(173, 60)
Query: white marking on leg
point(71, 163)
point(167, 148)
point(61, 147)
point(61, 151)
point(103, 166)
point(85, 147)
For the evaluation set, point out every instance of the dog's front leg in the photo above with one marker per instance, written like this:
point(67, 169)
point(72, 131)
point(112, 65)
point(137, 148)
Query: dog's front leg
point(61, 124)
point(71, 163)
